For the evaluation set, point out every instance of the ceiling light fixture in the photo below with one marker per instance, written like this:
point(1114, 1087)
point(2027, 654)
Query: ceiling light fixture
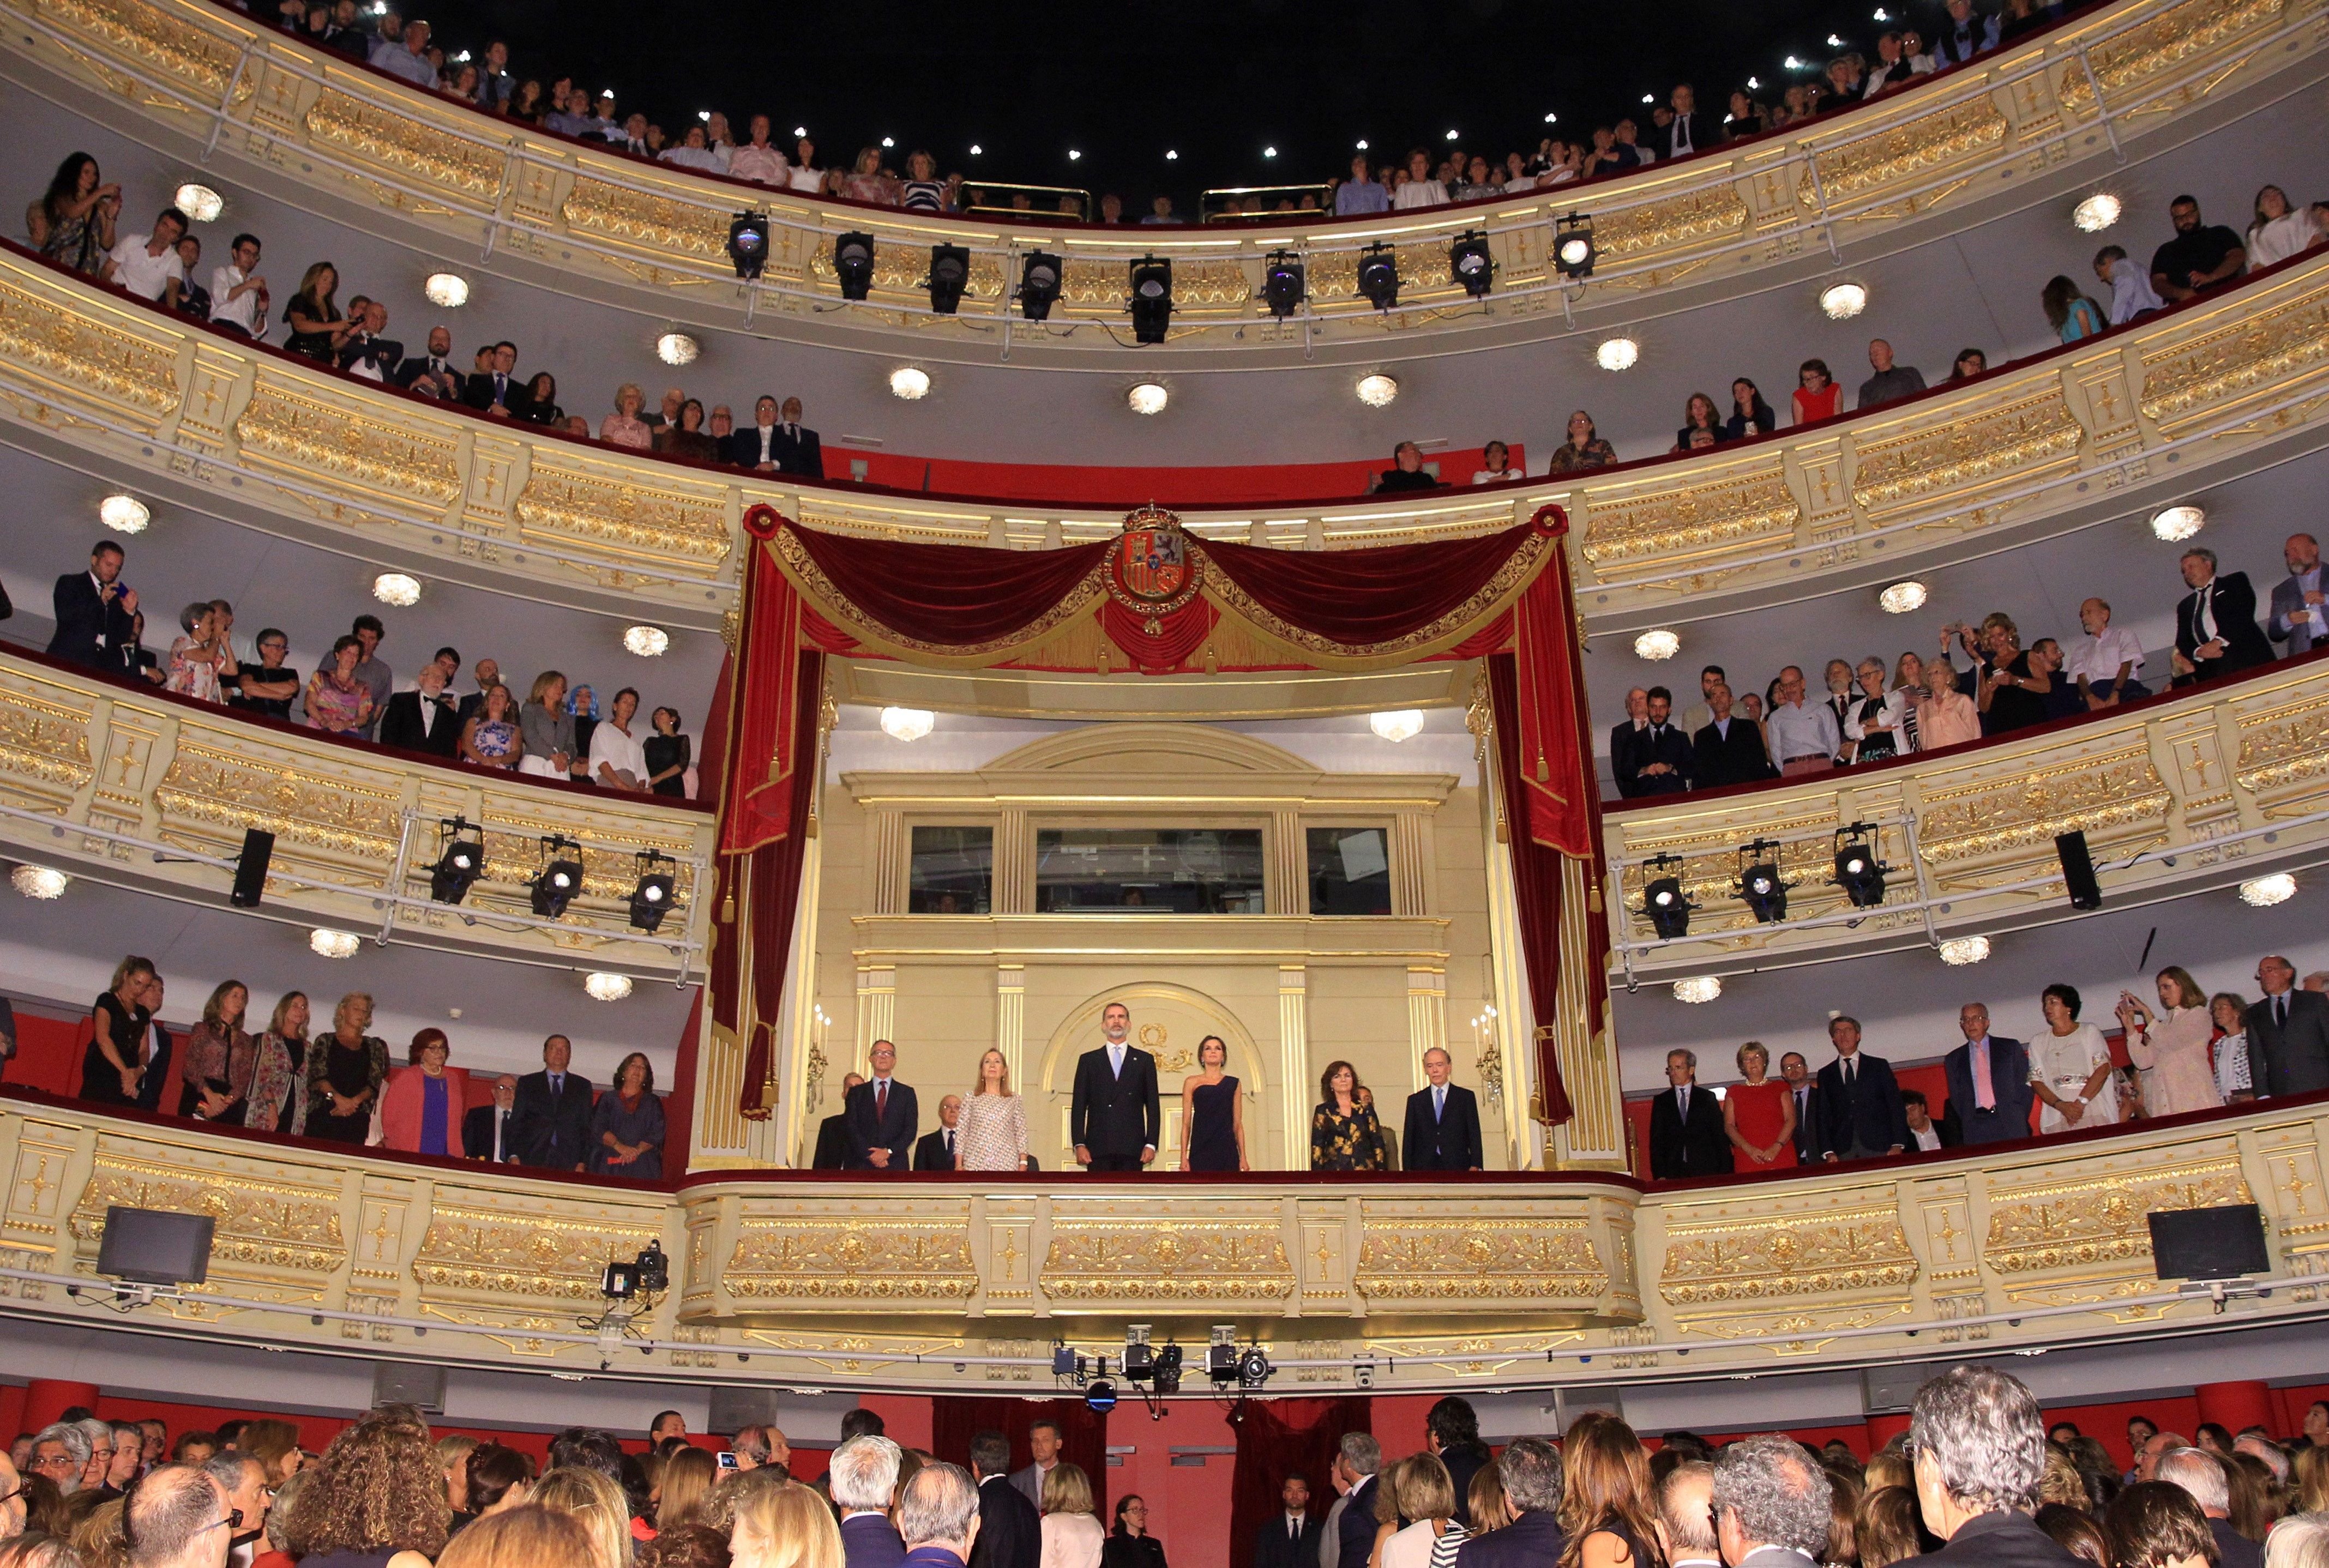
point(2264, 892)
point(446, 290)
point(199, 202)
point(1146, 398)
point(1697, 989)
point(325, 943)
point(1617, 353)
point(124, 514)
point(909, 382)
point(42, 882)
point(2177, 524)
point(1397, 724)
point(1270, 152)
point(1362, 144)
point(1902, 597)
point(1961, 951)
point(605, 985)
point(1843, 301)
point(977, 151)
point(646, 642)
point(907, 724)
point(1378, 390)
point(396, 588)
point(2096, 213)
point(677, 348)
point(1657, 645)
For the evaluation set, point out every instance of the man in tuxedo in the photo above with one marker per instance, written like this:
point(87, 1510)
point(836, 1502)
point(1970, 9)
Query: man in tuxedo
point(498, 391)
point(864, 1478)
point(95, 615)
point(1113, 1118)
point(1805, 1091)
point(488, 1132)
point(1686, 1135)
point(2300, 617)
point(880, 1115)
point(2288, 1032)
point(2215, 622)
point(553, 1111)
point(756, 447)
point(1729, 750)
point(1358, 1460)
point(1989, 1081)
point(935, 1150)
point(1443, 1122)
point(798, 450)
point(1291, 1539)
point(1621, 740)
point(425, 720)
point(1693, 129)
point(1010, 1530)
point(1860, 1102)
point(833, 1132)
point(433, 375)
point(1659, 757)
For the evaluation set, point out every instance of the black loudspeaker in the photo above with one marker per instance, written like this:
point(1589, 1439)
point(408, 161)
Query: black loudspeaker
point(408, 1382)
point(2208, 1244)
point(155, 1247)
point(250, 868)
point(734, 1409)
point(2078, 871)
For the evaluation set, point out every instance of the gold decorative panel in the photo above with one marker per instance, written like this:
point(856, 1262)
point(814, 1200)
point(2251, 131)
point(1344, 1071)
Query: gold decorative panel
point(655, 223)
point(877, 1263)
point(370, 131)
point(2280, 747)
point(149, 37)
point(1195, 1259)
point(1676, 223)
point(83, 359)
point(1908, 155)
point(315, 435)
point(262, 1218)
point(227, 788)
point(2247, 352)
point(1677, 522)
point(2020, 440)
point(2182, 32)
point(2100, 1219)
point(632, 515)
point(1408, 1260)
point(2030, 805)
point(524, 1249)
point(1786, 1256)
point(43, 740)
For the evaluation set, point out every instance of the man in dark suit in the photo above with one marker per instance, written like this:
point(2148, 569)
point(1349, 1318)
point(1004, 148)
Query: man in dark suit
point(1989, 1081)
point(425, 720)
point(1686, 1135)
point(1010, 1530)
point(1530, 1469)
point(367, 353)
point(488, 1132)
point(1451, 1430)
point(1963, 1422)
point(1113, 1119)
point(1357, 1462)
point(95, 614)
point(433, 374)
point(755, 445)
point(1860, 1101)
point(1621, 741)
point(553, 1111)
point(2215, 623)
point(1659, 757)
point(2300, 601)
point(498, 391)
point(1729, 750)
point(1925, 1134)
point(833, 1132)
point(863, 1481)
point(881, 1116)
point(935, 1150)
point(1289, 1537)
point(1693, 129)
point(798, 447)
point(1805, 1091)
point(2288, 1033)
point(1443, 1122)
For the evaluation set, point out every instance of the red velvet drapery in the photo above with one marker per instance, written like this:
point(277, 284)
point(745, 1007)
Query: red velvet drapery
point(1278, 1438)
point(956, 1419)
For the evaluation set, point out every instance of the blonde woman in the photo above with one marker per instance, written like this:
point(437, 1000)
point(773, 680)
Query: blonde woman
point(783, 1526)
point(1212, 1117)
point(523, 1537)
point(594, 1502)
point(994, 1133)
point(688, 1478)
point(345, 1071)
point(1759, 1114)
point(624, 428)
point(2171, 1050)
point(1072, 1537)
point(1426, 1495)
point(277, 1103)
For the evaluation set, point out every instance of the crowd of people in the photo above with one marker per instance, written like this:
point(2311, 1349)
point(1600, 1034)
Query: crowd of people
point(333, 1080)
point(560, 731)
point(1873, 714)
point(1978, 1477)
point(2190, 1051)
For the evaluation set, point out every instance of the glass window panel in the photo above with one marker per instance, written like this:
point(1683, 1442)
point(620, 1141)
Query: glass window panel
point(951, 871)
point(1350, 871)
point(1166, 870)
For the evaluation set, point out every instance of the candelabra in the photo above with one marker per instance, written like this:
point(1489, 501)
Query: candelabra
point(1490, 1061)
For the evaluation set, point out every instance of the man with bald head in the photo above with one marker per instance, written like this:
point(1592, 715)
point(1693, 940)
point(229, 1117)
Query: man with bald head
point(485, 1131)
point(935, 1150)
point(1686, 1516)
point(177, 1518)
point(2299, 616)
point(2288, 1033)
point(1621, 739)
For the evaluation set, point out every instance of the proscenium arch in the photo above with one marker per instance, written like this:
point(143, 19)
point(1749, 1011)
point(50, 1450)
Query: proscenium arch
point(1079, 1031)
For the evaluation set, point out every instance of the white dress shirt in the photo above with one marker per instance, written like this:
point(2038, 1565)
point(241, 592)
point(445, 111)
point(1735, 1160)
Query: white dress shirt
point(1927, 1137)
point(232, 309)
point(2097, 658)
point(623, 753)
point(142, 273)
point(1809, 730)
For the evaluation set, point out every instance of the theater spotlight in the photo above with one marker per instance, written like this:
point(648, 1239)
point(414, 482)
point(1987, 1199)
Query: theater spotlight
point(1101, 1395)
point(460, 859)
point(1152, 299)
point(1139, 1360)
point(560, 879)
point(1221, 1355)
point(655, 1268)
point(949, 271)
point(1253, 1368)
point(1470, 264)
point(1038, 285)
point(1379, 277)
point(651, 898)
point(1283, 284)
point(1572, 246)
point(1858, 872)
point(747, 243)
point(1166, 1373)
point(853, 263)
point(1759, 881)
point(1663, 900)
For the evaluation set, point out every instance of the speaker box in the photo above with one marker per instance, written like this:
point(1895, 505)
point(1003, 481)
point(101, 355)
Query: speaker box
point(154, 1246)
point(408, 1382)
point(1889, 1389)
point(250, 868)
point(733, 1409)
point(2078, 871)
point(2208, 1244)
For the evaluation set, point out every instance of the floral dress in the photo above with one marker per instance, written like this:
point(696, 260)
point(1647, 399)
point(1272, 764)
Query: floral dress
point(1353, 1142)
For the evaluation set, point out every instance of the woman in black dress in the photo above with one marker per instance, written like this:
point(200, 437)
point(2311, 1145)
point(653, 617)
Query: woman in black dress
point(1213, 1123)
point(669, 755)
point(113, 1068)
point(345, 1070)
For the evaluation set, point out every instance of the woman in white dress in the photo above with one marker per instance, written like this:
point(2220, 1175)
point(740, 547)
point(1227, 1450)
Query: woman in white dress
point(2171, 1050)
point(994, 1121)
point(2071, 1067)
point(1072, 1537)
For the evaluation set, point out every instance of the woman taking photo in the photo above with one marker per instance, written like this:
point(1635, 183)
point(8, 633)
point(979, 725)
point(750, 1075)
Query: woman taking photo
point(200, 659)
point(72, 224)
point(218, 1059)
point(2171, 1050)
point(1212, 1119)
point(345, 1071)
point(113, 1068)
point(278, 1072)
point(1759, 1114)
point(1343, 1132)
point(420, 1110)
point(993, 1131)
point(627, 1125)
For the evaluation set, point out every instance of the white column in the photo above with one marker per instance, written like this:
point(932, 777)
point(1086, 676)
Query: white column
point(1294, 1063)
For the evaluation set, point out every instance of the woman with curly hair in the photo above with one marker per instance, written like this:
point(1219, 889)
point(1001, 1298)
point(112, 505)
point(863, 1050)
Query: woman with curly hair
point(376, 1499)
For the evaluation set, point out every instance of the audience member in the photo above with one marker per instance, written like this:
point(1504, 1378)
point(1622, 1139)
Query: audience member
point(151, 267)
point(2297, 600)
point(2071, 1067)
point(1859, 1100)
point(2288, 1033)
point(1584, 450)
point(1802, 739)
point(1979, 1447)
point(1890, 383)
point(1818, 395)
point(72, 223)
point(1989, 1081)
point(2198, 257)
point(2215, 624)
point(1688, 1136)
point(552, 1110)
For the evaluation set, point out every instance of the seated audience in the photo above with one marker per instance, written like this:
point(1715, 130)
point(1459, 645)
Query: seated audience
point(1749, 415)
point(312, 319)
point(1584, 449)
point(1406, 472)
point(150, 268)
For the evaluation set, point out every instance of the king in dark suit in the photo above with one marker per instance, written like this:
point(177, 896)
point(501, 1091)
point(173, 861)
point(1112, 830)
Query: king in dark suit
point(935, 1150)
point(1114, 1118)
point(1658, 756)
point(96, 617)
point(1443, 1122)
point(879, 1117)
point(1860, 1101)
point(2216, 624)
point(1686, 1133)
point(2007, 1114)
point(553, 1111)
point(426, 721)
